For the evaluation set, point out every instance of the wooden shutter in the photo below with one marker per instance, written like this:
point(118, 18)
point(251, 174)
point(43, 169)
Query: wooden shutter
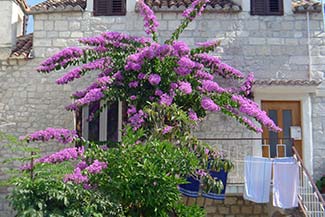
point(266, 7)
point(109, 7)
point(258, 7)
point(274, 7)
point(101, 7)
point(118, 7)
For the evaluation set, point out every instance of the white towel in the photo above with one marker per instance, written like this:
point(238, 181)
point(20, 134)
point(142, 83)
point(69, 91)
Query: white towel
point(285, 182)
point(257, 179)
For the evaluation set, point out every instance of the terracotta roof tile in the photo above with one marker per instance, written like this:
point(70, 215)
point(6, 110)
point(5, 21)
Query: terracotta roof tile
point(287, 82)
point(302, 6)
point(59, 5)
point(160, 5)
point(24, 45)
point(172, 5)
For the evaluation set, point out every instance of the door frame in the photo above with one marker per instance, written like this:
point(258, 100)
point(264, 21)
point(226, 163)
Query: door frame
point(261, 94)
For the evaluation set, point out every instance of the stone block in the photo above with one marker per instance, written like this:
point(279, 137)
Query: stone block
point(252, 24)
point(74, 25)
point(38, 25)
point(76, 34)
point(42, 43)
point(172, 24)
point(275, 41)
point(64, 34)
point(287, 25)
point(258, 209)
point(223, 210)
point(61, 25)
point(169, 16)
point(48, 25)
point(235, 209)
point(211, 209)
point(230, 200)
point(257, 41)
point(52, 34)
point(247, 210)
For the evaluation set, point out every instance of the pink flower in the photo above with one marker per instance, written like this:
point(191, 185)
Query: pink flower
point(141, 76)
point(167, 129)
point(201, 173)
point(195, 9)
point(63, 136)
point(192, 115)
point(133, 97)
point(133, 84)
point(96, 167)
point(158, 93)
point(211, 86)
point(131, 110)
point(76, 177)
point(154, 79)
point(165, 99)
point(185, 87)
point(150, 20)
point(209, 105)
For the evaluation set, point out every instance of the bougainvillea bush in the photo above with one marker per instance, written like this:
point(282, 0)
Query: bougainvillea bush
point(168, 88)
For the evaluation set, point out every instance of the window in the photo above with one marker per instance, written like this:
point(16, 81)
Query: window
point(266, 7)
point(109, 7)
point(104, 126)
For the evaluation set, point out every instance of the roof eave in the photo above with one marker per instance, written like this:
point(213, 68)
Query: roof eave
point(208, 9)
point(57, 10)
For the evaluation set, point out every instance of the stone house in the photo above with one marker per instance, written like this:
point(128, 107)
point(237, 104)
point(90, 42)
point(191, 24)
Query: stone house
point(281, 41)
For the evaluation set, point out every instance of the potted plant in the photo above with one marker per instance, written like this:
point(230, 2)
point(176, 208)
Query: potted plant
point(321, 184)
point(212, 181)
point(218, 169)
point(190, 189)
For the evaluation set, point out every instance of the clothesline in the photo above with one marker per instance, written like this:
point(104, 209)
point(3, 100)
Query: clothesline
point(261, 161)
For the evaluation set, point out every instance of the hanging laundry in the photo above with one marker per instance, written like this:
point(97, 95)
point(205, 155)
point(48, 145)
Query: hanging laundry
point(257, 173)
point(285, 182)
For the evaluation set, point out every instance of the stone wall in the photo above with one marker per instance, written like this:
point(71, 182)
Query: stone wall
point(318, 119)
point(29, 101)
point(232, 206)
point(272, 47)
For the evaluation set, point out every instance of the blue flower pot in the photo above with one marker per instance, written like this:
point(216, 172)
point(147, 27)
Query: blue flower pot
point(191, 189)
point(221, 175)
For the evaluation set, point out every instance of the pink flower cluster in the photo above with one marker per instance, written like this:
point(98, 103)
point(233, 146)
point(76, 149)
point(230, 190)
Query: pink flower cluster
point(76, 177)
point(192, 115)
point(248, 84)
point(185, 66)
point(250, 108)
point(92, 95)
point(63, 155)
point(77, 72)
point(209, 105)
point(195, 9)
point(208, 44)
point(61, 59)
point(58, 157)
point(136, 118)
point(63, 136)
point(218, 67)
point(154, 79)
point(167, 129)
point(169, 73)
point(185, 87)
point(114, 39)
point(211, 86)
point(150, 20)
point(96, 167)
